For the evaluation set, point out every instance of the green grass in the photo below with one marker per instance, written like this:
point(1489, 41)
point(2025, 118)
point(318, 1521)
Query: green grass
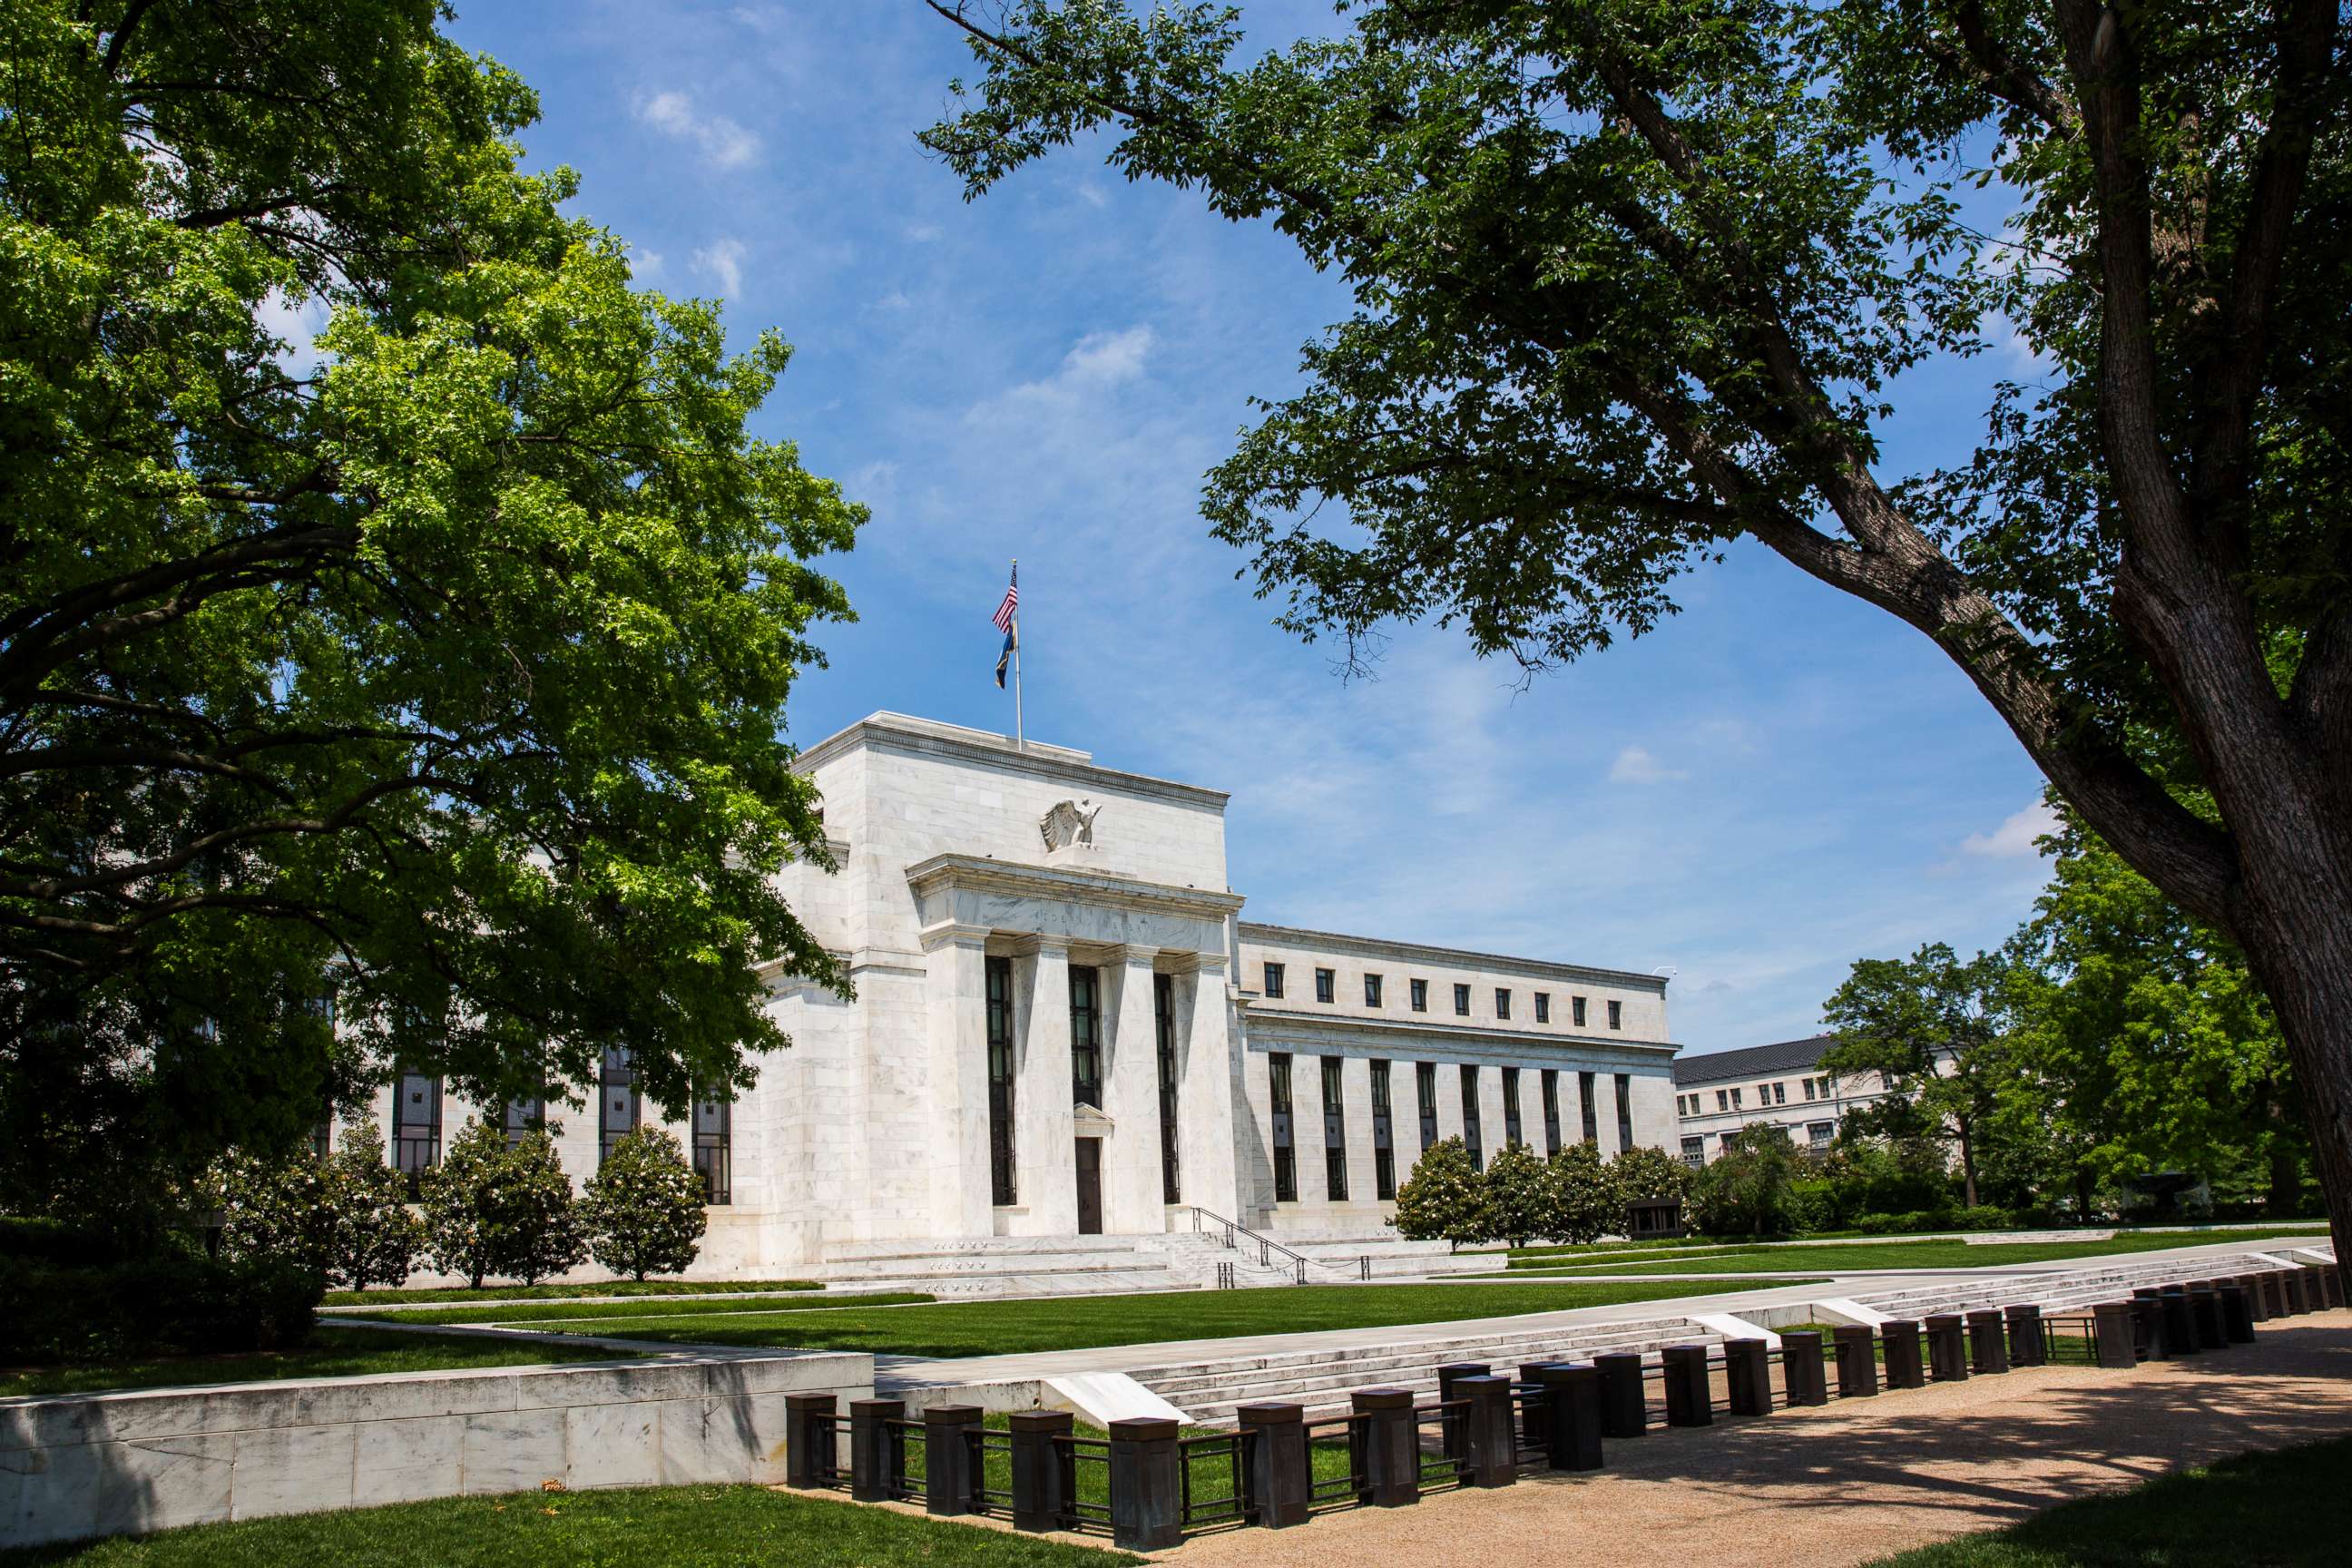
point(339, 1352)
point(669, 1527)
point(565, 1312)
point(2284, 1510)
point(1884, 1255)
point(994, 1328)
point(568, 1292)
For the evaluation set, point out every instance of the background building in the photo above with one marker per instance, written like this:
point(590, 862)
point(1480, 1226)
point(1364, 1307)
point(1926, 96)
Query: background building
point(1717, 1095)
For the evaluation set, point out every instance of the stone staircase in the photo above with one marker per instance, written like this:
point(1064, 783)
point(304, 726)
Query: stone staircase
point(1003, 1266)
point(2072, 1289)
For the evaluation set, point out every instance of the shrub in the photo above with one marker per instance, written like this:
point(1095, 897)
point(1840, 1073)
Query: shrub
point(1986, 1217)
point(374, 1239)
point(1588, 1196)
point(1650, 1174)
point(492, 1208)
point(642, 1208)
point(273, 1208)
point(171, 1303)
point(1751, 1187)
point(1445, 1197)
point(1519, 1196)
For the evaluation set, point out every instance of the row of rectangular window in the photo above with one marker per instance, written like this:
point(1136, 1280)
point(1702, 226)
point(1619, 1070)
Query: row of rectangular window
point(1766, 1095)
point(1327, 984)
point(1334, 1150)
point(1817, 1135)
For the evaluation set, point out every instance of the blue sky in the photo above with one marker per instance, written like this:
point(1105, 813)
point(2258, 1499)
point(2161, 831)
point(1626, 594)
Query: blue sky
point(1779, 781)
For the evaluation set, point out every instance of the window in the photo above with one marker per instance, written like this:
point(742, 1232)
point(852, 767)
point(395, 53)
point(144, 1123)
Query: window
point(1551, 1110)
point(1722, 1100)
point(1825, 1088)
point(1764, 1094)
point(1592, 1116)
point(525, 1117)
point(1323, 984)
point(1818, 1133)
point(1286, 1163)
point(1502, 1003)
point(1511, 1106)
point(619, 1106)
point(1724, 1142)
point(1273, 981)
point(1384, 1135)
point(1002, 1185)
point(1809, 1088)
point(1470, 1116)
point(1371, 990)
point(1624, 1112)
point(1163, 1017)
point(1616, 1015)
point(714, 1140)
point(1425, 1084)
point(1085, 1037)
point(1779, 1094)
point(1694, 1153)
point(1576, 1011)
point(1543, 1007)
point(1462, 1001)
point(416, 1127)
point(1420, 996)
point(1335, 1135)
point(1735, 1099)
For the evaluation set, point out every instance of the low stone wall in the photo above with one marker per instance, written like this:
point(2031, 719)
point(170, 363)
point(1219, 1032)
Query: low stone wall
point(109, 1464)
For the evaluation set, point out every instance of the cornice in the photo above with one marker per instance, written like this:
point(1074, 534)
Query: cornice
point(1458, 957)
point(894, 733)
point(1256, 1017)
point(981, 872)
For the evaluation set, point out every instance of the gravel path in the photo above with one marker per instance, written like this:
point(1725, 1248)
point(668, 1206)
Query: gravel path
point(1855, 1481)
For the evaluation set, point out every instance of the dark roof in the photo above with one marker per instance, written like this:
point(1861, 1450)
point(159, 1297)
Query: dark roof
point(1753, 1061)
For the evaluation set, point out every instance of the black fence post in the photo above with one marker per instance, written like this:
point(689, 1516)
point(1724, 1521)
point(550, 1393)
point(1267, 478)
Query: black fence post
point(947, 1458)
point(1280, 1477)
point(2211, 1333)
point(2329, 1279)
point(1857, 1361)
point(1146, 1498)
point(1748, 1372)
point(1490, 1438)
point(1037, 1499)
point(2298, 1298)
point(811, 1454)
point(2112, 1338)
point(2025, 1334)
point(1988, 1341)
point(2237, 1314)
point(1948, 1355)
point(2179, 1322)
point(1452, 1437)
point(2258, 1307)
point(1624, 1409)
point(1536, 1431)
point(1571, 1403)
point(1688, 1403)
point(873, 1455)
point(1904, 1369)
point(1392, 1445)
point(1802, 1372)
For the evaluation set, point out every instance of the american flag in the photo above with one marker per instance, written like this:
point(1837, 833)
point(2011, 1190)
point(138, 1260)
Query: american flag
point(1005, 611)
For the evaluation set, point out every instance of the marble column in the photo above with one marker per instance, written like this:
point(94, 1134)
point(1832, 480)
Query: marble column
point(956, 1003)
point(1130, 1166)
point(1043, 1140)
point(1209, 1089)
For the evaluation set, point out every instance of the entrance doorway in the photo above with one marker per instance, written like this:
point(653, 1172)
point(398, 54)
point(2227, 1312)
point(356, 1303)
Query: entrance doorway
point(1090, 1187)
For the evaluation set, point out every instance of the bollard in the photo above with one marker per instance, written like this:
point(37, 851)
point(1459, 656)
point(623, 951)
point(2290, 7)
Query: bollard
point(2025, 1347)
point(1947, 1356)
point(1857, 1361)
point(1392, 1445)
point(2274, 1288)
point(1281, 1478)
point(1572, 1418)
point(1987, 1345)
point(1452, 1438)
point(2237, 1316)
point(2111, 1328)
point(2147, 1327)
point(1747, 1370)
point(1802, 1373)
point(2179, 1324)
point(2258, 1305)
point(2329, 1279)
point(2206, 1307)
point(1688, 1402)
point(1901, 1341)
point(2298, 1298)
point(1490, 1447)
point(873, 1451)
point(1038, 1471)
point(1536, 1435)
point(1624, 1409)
point(1146, 1484)
point(948, 1478)
point(811, 1454)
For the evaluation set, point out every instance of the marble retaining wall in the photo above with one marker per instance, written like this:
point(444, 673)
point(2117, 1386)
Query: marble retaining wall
point(111, 1464)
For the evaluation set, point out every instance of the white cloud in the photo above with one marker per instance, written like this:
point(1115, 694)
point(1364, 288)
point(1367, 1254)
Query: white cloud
point(725, 144)
point(722, 261)
point(1105, 359)
point(1635, 764)
point(296, 326)
point(923, 233)
point(2013, 839)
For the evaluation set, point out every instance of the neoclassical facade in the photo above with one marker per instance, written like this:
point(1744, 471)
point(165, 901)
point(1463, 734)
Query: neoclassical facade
point(1061, 1025)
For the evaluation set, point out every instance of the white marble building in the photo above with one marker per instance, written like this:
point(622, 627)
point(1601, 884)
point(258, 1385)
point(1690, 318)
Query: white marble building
point(1062, 1025)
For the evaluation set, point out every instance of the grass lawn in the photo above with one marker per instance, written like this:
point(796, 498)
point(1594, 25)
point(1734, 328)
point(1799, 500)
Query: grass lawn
point(567, 1292)
point(338, 1352)
point(1883, 1255)
point(993, 1327)
point(2284, 1509)
point(668, 1527)
point(566, 1312)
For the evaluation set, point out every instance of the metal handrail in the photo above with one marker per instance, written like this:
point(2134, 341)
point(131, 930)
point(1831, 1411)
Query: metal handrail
point(1267, 1246)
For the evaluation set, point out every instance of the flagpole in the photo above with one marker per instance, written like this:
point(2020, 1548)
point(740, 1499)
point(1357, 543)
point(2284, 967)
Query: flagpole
point(1020, 740)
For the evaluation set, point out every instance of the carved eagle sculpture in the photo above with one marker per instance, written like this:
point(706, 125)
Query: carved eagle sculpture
point(1070, 822)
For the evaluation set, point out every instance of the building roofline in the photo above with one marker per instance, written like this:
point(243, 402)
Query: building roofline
point(1746, 1061)
point(1378, 947)
point(1084, 885)
point(955, 742)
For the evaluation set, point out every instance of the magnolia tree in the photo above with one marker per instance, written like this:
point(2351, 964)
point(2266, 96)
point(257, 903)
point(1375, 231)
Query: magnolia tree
point(1587, 1200)
point(1519, 1196)
point(1444, 1198)
point(375, 1239)
point(496, 1208)
point(642, 1209)
point(344, 1217)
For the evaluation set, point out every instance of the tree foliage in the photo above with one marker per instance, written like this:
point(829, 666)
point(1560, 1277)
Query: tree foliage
point(1934, 1028)
point(641, 1211)
point(445, 652)
point(495, 1209)
point(1588, 1196)
point(375, 1239)
point(1651, 1174)
point(1444, 1198)
point(1520, 1196)
point(1750, 1189)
